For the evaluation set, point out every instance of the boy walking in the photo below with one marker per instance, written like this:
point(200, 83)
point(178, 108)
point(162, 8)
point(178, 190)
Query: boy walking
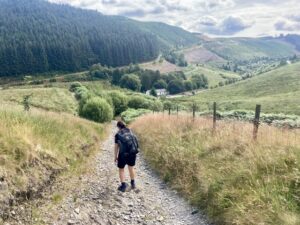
point(126, 149)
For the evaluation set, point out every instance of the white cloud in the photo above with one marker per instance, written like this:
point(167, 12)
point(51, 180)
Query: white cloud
point(215, 17)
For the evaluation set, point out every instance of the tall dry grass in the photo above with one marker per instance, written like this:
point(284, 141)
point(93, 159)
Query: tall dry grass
point(36, 146)
point(234, 179)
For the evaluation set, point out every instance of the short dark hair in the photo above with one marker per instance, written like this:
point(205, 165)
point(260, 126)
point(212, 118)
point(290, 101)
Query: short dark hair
point(121, 124)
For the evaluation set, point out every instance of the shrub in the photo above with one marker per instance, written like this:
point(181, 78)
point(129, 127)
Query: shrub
point(157, 106)
point(131, 114)
point(176, 86)
point(138, 102)
point(120, 102)
point(161, 84)
point(131, 82)
point(82, 93)
point(97, 109)
point(74, 86)
point(52, 80)
point(168, 105)
point(188, 85)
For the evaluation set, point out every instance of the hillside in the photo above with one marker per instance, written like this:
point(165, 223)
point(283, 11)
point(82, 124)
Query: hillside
point(37, 36)
point(214, 75)
point(278, 91)
point(250, 48)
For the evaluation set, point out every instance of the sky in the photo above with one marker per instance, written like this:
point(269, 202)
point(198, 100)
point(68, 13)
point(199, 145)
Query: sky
point(246, 18)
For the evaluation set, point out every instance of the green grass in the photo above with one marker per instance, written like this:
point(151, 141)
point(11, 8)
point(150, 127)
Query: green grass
point(213, 75)
point(52, 99)
point(278, 91)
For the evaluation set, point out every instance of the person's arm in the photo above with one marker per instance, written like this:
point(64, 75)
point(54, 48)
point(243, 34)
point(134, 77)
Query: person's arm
point(117, 149)
point(116, 152)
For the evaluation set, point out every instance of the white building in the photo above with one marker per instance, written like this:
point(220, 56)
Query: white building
point(159, 92)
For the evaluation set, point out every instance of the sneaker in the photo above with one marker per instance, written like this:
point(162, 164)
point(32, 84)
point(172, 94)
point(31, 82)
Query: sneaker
point(133, 185)
point(122, 187)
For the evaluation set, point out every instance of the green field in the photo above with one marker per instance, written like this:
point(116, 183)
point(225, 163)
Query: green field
point(53, 99)
point(278, 91)
point(213, 75)
point(250, 48)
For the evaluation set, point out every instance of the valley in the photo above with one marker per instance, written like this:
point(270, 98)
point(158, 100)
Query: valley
point(67, 74)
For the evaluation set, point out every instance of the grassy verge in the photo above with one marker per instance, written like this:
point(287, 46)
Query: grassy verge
point(53, 99)
point(36, 146)
point(235, 180)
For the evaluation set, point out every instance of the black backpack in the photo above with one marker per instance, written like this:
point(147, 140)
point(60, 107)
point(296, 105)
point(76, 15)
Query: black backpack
point(129, 142)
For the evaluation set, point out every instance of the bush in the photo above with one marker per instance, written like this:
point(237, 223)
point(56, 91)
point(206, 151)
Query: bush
point(161, 84)
point(138, 102)
point(168, 105)
point(74, 86)
point(188, 85)
point(120, 102)
point(131, 82)
point(97, 109)
point(157, 106)
point(131, 114)
point(176, 86)
point(82, 93)
point(52, 80)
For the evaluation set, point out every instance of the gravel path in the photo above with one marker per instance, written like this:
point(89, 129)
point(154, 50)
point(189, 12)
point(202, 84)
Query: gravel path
point(95, 199)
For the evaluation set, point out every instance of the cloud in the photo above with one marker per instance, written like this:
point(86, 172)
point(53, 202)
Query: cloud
point(213, 17)
point(232, 25)
point(228, 26)
point(287, 25)
point(208, 21)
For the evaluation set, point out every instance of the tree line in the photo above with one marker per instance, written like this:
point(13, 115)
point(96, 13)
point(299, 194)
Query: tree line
point(37, 37)
point(140, 80)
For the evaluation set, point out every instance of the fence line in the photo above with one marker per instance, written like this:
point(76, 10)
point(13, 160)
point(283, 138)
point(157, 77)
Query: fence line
point(256, 119)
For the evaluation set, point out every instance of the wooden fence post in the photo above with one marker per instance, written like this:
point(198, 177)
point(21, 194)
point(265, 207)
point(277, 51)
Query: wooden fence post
point(169, 111)
point(194, 110)
point(214, 117)
point(177, 110)
point(256, 121)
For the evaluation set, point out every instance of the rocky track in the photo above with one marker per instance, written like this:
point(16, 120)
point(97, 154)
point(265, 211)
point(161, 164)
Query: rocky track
point(94, 199)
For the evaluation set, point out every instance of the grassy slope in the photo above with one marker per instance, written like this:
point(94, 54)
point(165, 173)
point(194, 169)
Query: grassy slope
point(278, 91)
point(163, 67)
point(247, 48)
point(213, 74)
point(53, 99)
point(37, 145)
point(235, 180)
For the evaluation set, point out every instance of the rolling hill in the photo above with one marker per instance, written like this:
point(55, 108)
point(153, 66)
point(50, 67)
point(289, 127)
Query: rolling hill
point(37, 36)
point(278, 91)
point(240, 49)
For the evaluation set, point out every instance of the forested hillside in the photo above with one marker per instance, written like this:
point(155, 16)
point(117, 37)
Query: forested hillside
point(37, 36)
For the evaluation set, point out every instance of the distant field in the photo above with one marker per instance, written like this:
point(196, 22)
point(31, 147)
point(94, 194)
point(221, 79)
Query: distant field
point(200, 55)
point(213, 75)
point(248, 48)
point(278, 91)
point(163, 67)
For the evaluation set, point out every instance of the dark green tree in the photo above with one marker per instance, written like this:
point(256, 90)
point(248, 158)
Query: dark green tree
point(131, 81)
point(176, 86)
